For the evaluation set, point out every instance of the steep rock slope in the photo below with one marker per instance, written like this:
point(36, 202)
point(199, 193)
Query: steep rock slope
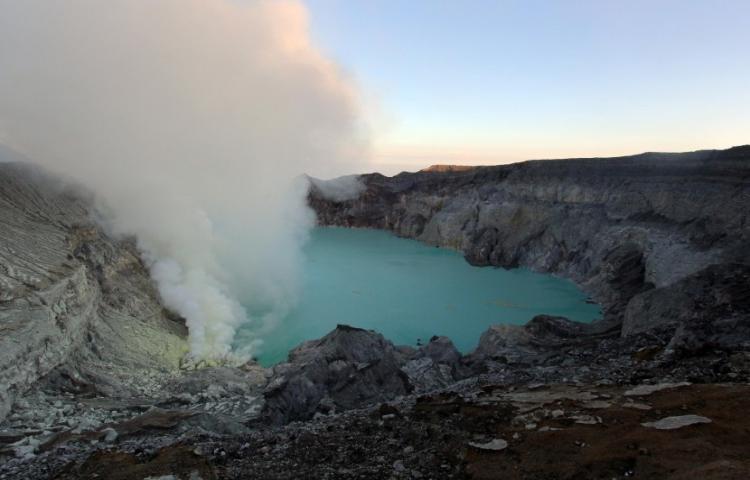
point(618, 226)
point(73, 300)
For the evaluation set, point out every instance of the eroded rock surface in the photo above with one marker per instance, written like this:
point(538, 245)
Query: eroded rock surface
point(73, 297)
point(351, 367)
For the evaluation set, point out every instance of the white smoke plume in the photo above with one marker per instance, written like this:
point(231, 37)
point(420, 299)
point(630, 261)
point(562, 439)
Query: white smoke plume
point(192, 120)
point(346, 187)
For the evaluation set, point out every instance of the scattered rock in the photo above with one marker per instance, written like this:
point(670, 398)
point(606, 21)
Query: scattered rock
point(586, 419)
point(644, 390)
point(547, 428)
point(672, 423)
point(110, 435)
point(493, 445)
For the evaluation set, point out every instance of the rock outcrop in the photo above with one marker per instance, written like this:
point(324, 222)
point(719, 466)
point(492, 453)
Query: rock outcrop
point(76, 304)
point(344, 369)
point(350, 368)
point(706, 310)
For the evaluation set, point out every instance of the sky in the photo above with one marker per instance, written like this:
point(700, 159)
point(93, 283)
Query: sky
point(489, 82)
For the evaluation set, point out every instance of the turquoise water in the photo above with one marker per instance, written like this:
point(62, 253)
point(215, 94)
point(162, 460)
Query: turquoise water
point(407, 291)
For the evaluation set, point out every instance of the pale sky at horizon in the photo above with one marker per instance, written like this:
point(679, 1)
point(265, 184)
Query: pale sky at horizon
point(489, 82)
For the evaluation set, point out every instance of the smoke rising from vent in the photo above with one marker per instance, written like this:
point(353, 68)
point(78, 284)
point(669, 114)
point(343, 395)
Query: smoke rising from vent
point(346, 187)
point(192, 120)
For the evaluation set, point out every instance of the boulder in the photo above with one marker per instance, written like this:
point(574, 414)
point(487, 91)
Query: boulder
point(440, 350)
point(494, 445)
point(709, 309)
point(351, 367)
point(673, 423)
point(532, 343)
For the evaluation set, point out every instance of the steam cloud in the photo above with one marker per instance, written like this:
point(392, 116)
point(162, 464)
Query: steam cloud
point(192, 120)
point(346, 187)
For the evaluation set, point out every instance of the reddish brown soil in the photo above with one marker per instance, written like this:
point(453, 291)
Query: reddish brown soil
point(177, 460)
point(620, 447)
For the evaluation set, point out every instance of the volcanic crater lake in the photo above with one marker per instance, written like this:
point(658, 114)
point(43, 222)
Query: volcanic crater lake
point(409, 291)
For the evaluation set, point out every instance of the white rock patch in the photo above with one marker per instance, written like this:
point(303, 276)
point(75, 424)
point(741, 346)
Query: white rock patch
point(493, 445)
point(643, 390)
point(672, 423)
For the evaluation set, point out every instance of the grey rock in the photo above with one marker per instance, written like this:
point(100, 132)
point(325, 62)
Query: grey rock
point(586, 419)
point(350, 366)
point(25, 451)
point(673, 423)
point(532, 343)
point(440, 350)
point(644, 390)
point(76, 304)
point(709, 307)
point(215, 423)
point(637, 405)
point(110, 435)
point(425, 374)
point(494, 445)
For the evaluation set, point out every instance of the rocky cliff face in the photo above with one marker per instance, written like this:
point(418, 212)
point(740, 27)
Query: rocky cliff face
point(75, 303)
point(625, 229)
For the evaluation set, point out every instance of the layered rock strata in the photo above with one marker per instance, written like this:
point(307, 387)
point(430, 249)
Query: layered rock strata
point(74, 299)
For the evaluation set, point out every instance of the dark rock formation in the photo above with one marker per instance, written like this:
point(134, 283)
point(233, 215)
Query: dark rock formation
point(435, 365)
point(442, 168)
point(709, 309)
point(528, 344)
point(350, 368)
point(440, 349)
point(347, 368)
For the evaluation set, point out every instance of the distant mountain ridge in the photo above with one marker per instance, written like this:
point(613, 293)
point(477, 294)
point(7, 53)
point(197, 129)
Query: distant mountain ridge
point(442, 168)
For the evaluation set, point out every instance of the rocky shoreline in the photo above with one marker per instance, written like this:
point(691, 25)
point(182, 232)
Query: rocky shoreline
point(659, 240)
